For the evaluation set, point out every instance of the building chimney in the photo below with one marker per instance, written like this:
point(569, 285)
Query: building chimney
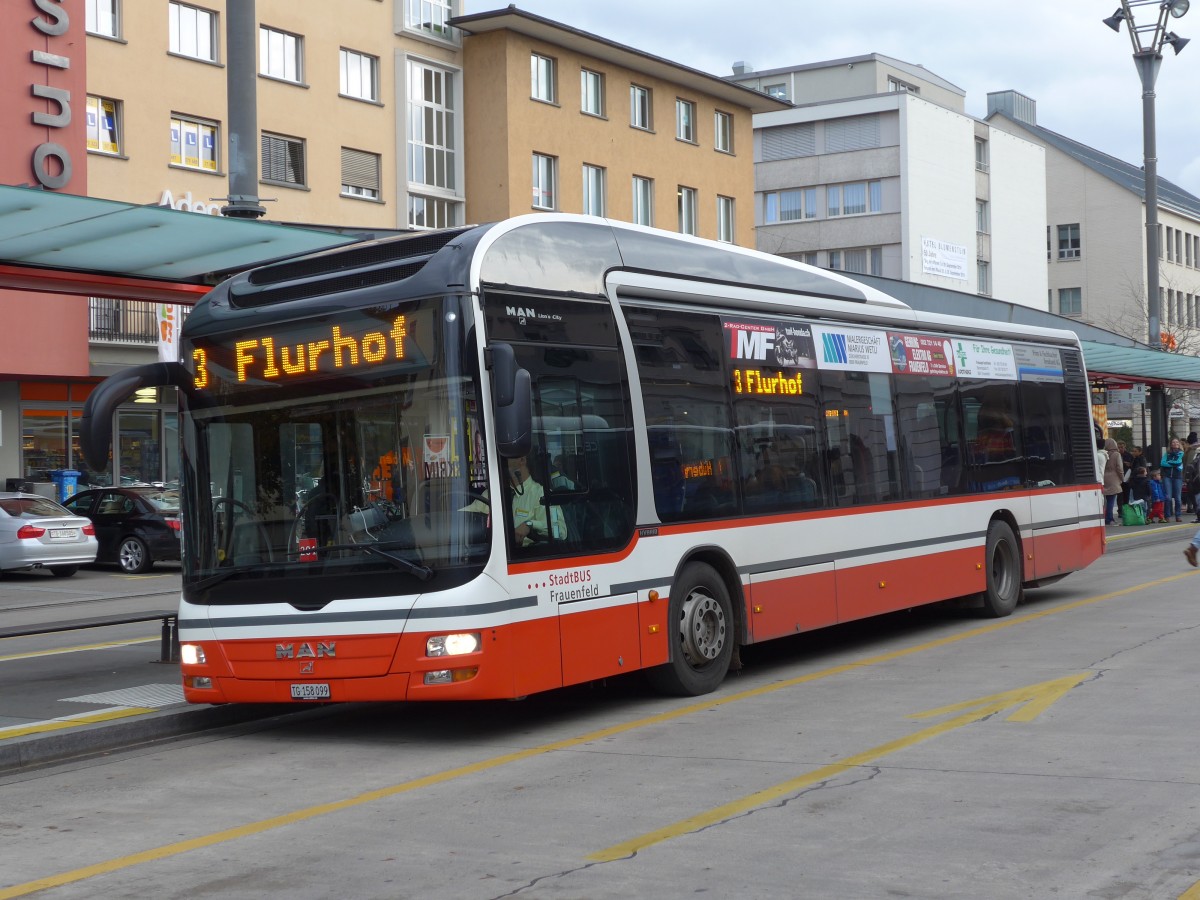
point(742, 68)
point(1013, 104)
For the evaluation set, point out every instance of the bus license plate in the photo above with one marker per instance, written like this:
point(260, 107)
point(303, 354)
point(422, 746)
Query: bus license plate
point(310, 692)
point(63, 534)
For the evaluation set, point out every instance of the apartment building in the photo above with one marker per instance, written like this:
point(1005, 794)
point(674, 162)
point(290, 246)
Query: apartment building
point(1095, 234)
point(878, 170)
point(560, 119)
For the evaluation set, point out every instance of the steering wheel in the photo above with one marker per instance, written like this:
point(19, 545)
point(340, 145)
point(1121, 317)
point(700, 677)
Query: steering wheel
point(225, 546)
point(294, 533)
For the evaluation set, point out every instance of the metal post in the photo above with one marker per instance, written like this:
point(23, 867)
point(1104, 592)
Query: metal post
point(1148, 62)
point(241, 79)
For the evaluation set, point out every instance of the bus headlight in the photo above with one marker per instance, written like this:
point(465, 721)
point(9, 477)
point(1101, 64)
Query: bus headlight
point(452, 644)
point(192, 655)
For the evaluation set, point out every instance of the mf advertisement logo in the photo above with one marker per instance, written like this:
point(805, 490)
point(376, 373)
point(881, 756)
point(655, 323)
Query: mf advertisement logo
point(962, 355)
point(834, 346)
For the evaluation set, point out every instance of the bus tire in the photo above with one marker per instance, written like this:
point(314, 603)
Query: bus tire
point(1002, 568)
point(702, 632)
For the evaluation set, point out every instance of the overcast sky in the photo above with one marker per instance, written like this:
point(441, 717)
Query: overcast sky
point(1058, 52)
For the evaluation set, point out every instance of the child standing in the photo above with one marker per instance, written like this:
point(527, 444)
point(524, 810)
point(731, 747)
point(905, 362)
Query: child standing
point(1158, 494)
point(1140, 490)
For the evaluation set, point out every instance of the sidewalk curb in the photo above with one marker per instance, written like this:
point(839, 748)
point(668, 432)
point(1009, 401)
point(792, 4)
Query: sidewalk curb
point(25, 753)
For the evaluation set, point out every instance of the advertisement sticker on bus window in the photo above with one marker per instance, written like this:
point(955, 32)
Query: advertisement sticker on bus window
point(1039, 364)
point(787, 345)
point(982, 359)
point(914, 354)
point(852, 349)
point(436, 456)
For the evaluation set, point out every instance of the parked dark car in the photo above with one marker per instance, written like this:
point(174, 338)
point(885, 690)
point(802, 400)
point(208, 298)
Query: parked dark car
point(135, 526)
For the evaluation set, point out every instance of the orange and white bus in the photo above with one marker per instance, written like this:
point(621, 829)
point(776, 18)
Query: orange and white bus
point(691, 446)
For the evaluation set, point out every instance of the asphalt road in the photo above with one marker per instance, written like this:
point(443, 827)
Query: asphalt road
point(931, 754)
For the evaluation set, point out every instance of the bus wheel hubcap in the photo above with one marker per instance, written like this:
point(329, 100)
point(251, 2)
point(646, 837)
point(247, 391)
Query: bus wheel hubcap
point(702, 628)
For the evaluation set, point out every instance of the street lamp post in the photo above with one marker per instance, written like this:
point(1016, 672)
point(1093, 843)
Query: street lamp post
point(1148, 41)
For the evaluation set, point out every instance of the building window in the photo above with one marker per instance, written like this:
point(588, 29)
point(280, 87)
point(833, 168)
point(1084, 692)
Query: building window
point(640, 106)
point(545, 182)
point(360, 174)
point(103, 125)
point(541, 73)
point(359, 75)
point(687, 210)
point(432, 212)
point(1068, 241)
point(643, 200)
point(1070, 301)
point(193, 32)
point(895, 84)
point(194, 144)
point(1187, 250)
point(790, 206)
point(981, 154)
point(982, 217)
point(725, 219)
point(685, 121)
point(103, 17)
point(430, 16)
point(591, 89)
point(778, 91)
point(280, 55)
point(859, 260)
point(283, 159)
point(1170, 244)
point(983, 269)
point(723, 131)
point(593, 190)
point(432, 127)
point(854, 198)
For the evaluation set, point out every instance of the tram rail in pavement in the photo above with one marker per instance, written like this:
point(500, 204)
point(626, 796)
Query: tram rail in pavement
point(64, 697)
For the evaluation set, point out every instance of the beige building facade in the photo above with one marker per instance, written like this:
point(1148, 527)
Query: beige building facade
point(568, 121)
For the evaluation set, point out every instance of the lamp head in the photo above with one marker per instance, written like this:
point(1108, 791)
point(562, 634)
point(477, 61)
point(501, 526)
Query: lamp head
point(1177, 43)
point(1114, 21)
point(1177, 8)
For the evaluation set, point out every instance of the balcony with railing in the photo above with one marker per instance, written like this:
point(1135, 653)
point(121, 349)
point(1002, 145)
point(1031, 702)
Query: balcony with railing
point(126, 321)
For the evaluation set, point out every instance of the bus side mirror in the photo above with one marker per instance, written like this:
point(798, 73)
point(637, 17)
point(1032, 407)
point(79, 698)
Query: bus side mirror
point(95, 425)
point(513, 399)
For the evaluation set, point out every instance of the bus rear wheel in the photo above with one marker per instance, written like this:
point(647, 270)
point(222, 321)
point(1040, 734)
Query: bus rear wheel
point(702, 632)
point(1002, 564)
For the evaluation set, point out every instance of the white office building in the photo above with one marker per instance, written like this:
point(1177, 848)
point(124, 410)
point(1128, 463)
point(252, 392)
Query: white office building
point(877, 169)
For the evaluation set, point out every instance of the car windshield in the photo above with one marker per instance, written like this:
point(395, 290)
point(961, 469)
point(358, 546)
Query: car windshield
point(288, 481)
point(32, 507)
point(162, 501)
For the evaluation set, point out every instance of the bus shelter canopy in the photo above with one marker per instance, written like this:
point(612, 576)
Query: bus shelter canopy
point(63, 243)
point(1141, 365)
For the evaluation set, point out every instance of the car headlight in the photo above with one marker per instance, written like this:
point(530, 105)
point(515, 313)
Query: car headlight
point(452, 644)
point(192, 655)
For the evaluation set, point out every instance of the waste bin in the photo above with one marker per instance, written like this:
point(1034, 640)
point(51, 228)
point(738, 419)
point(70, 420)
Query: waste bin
point(65, 483)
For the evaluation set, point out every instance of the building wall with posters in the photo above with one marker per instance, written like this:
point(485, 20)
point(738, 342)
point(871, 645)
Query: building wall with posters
point(132, 98)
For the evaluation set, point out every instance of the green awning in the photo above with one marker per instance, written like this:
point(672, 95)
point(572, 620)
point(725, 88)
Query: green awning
point(44, 231)
point(1141, 365)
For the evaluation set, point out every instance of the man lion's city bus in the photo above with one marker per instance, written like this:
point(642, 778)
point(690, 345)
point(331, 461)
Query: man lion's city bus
point(501, 459)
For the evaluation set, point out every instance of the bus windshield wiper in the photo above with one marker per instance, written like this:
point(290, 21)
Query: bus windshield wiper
point(419, 570)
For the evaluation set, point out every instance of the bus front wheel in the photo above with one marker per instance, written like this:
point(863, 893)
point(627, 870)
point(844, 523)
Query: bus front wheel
point(1002, 562)
point(702, 632)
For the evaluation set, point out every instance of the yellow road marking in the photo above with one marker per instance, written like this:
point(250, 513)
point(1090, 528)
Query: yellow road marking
point(1038, 696)
point(168, 850)
point(33, 654)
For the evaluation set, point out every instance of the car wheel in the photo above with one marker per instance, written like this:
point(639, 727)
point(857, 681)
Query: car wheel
point(133, 557)
point(63, 571)
point(1002, 567)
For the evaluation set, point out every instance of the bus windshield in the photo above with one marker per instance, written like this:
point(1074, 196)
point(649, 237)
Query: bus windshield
point(341, 445)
